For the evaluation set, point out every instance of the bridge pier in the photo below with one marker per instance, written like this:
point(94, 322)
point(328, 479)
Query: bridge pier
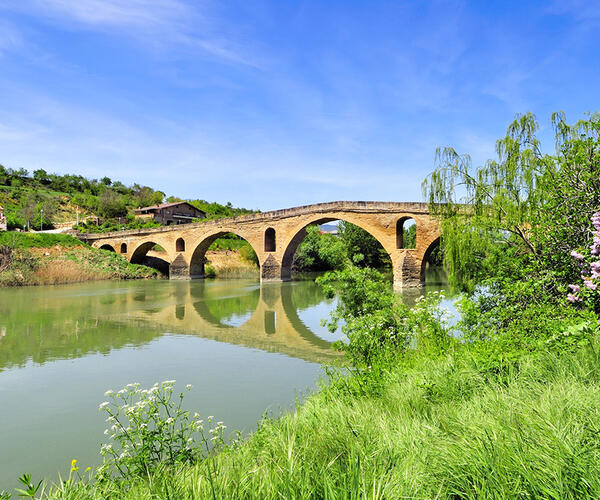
point(272, 270)
point(406, 268)
point(179, 269)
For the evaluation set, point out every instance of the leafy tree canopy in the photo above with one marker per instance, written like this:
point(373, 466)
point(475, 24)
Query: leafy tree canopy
point(528, 204)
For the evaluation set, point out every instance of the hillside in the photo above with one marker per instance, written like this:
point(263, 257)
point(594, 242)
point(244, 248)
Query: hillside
point(40, 200)
point(51, 259)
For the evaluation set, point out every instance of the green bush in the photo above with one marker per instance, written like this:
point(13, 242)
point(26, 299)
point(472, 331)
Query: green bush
point(248, 253)
point(209, 271)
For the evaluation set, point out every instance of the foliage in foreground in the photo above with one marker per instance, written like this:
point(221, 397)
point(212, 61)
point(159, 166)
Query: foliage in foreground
point(440, 428)
point(150, 427)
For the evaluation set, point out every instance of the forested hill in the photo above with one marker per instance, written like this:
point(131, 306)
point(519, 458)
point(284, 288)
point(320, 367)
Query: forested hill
point(41, 199)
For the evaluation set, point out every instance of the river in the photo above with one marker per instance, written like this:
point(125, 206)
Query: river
point(246, 349)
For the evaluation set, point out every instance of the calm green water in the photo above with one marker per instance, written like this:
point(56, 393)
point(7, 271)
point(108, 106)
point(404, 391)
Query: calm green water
point(245, 348)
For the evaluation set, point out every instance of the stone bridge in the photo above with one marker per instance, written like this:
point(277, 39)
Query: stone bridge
point(275, 236)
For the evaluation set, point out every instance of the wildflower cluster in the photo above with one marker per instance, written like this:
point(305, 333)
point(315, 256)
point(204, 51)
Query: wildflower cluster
point(590, 267)
point(148, 427)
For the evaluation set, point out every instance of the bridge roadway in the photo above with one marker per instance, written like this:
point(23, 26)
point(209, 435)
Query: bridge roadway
point(275, 236)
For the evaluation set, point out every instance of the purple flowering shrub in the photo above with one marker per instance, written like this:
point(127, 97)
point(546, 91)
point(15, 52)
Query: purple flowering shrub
point(589, 262)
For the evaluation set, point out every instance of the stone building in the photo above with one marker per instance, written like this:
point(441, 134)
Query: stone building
point(180, 212)
point(3, 225)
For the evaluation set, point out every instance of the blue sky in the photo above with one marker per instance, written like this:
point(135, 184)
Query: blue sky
point(282, 103)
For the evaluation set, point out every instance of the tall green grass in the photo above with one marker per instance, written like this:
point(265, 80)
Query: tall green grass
point(12, 239)
point(439, 428)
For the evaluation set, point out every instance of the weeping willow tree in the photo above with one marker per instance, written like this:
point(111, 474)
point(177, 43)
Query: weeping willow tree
point(493, 210)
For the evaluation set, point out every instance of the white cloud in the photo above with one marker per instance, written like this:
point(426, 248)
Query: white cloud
point(139, 13)
point(153, 24)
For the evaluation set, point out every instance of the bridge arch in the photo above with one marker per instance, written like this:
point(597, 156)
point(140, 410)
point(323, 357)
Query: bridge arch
point(198, 258)
point(123, 247)
point(108, 247)
point(403, 226)
point(299, 233)
point(140, 256)
point(427, 254)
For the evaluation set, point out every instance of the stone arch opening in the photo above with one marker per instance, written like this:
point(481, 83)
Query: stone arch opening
point(123, 247)
point(406, 233)
point(432, 271)
point(152, 255)
point(180, 245)
point(351, 237)
point(245, 252)
point(108, 247)
point(270, 243)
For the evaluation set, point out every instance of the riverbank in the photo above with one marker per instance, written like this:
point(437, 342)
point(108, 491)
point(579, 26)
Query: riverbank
point(229, 264)
point(433, 428)
point(52, 259)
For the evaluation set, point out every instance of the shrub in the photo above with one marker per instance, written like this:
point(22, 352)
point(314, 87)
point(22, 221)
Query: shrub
point(209, 271)
point(248, 253)
point(149, 427)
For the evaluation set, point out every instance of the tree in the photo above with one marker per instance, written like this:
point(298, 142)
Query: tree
point(4, 177)
point(41, 176)
point(359, 241)
point(527, 205)
point(111, 204)
point(492, 205)
point(29, 209)
point(319, 252)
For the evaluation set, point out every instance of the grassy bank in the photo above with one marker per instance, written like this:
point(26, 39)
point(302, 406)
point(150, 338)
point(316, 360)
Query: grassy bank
point(229, 264)
point(436, 428)
point(231, 257)
point(50, 259)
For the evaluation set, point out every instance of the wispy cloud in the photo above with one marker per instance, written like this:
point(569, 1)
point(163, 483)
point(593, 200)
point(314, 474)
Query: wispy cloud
point(154, 24)
point(10, 38)
point(139, 13)
point(583, 11)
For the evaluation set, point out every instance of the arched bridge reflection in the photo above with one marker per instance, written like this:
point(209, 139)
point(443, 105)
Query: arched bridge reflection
point(87, 319)
point(258, 316)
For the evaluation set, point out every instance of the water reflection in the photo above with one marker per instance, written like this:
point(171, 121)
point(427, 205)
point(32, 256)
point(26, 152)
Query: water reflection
point(244, 347)
point(47, 324)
